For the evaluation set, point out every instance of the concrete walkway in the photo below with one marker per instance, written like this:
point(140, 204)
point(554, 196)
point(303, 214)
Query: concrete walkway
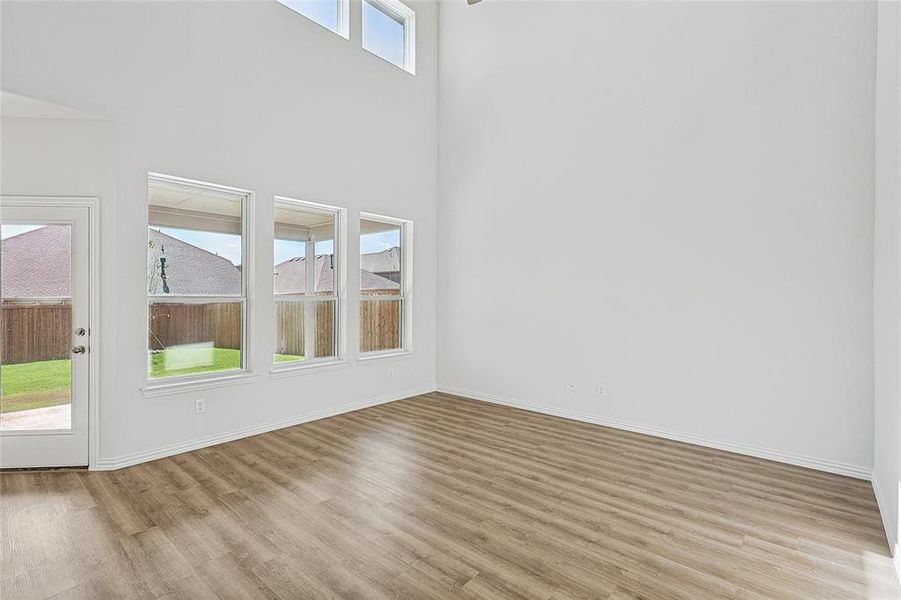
point(50, 417)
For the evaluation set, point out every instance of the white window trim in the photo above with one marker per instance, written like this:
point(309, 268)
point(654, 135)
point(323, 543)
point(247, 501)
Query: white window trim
point(303, 367)
point(182, 384)
point(339, 296)
point(383, 355)
point(408, 16)
point(343, 18)
point(162, 386)
point(406, 290)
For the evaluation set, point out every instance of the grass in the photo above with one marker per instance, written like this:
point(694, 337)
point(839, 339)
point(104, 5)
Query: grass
point(48, 382)
point(188, 360)
point(35, 384)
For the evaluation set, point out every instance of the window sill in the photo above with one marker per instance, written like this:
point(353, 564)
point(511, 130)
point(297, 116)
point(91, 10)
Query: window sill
point(168, 388)
point(371, 357)
point(290, 370)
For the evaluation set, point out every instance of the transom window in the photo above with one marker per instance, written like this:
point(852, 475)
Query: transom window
point(196, 278)
point(331, 14)
point(389, 32)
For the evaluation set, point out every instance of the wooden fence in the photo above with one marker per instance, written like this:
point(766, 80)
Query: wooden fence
point(176, 324)
point(33, 332)
point(380, 325)
point(289, 319)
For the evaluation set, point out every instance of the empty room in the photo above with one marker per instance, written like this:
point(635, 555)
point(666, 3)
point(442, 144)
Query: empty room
point(426, 299)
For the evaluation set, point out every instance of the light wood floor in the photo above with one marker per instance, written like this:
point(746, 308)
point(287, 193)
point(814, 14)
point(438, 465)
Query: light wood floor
point(440, 497)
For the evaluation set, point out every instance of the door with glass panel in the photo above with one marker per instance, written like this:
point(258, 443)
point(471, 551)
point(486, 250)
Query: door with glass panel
point(44, 334)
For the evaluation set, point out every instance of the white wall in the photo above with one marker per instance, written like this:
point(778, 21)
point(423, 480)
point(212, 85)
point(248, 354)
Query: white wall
point(674, 199)
point(246, 94)
point(887, 466)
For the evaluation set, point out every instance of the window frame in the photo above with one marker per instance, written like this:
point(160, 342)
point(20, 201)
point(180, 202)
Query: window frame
point(397, 10)
point(343, 18)
point(339, 291)
point(155, 386)
point(405, 292)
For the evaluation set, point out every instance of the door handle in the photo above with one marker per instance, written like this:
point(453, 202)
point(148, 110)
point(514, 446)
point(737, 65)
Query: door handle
point(78, 350)
point(80, 331)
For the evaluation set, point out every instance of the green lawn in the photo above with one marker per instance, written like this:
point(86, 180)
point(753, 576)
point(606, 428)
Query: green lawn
point(287, 357)
point(188, 360)
point(35, 384)
point(47, 382)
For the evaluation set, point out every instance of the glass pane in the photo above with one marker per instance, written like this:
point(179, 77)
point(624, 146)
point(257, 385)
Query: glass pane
point(305, 266)
point(380, 258)
point(194, 241)
point(184, 262)
point(36, 326)
point(190, 338)
point(324, 12)
point(194, 248)
point(380, 325)
point(302, 234)
point(300, 325)
point(383, 34)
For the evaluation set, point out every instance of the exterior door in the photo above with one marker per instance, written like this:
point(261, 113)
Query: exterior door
point(44, 334)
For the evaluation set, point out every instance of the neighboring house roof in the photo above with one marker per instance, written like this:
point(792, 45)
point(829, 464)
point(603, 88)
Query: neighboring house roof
point(386, 261)
point(36, 264)
point(290, 277)
point(190, 271)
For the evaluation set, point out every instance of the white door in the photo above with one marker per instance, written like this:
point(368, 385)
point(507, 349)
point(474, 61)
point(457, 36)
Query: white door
point(44, 334)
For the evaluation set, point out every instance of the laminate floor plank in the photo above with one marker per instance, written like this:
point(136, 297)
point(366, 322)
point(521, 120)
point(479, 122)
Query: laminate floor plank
point(441, 497)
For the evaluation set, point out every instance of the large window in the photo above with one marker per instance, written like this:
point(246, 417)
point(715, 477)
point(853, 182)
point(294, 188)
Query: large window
point(331, 14)
point(196, 278)
point(306, 281)
point(389, 32)
point(384, 277)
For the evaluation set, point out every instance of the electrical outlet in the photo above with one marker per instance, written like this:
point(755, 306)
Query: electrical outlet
point(199, 406)
point(572, 385)
point(391, 373)
point(602, 390)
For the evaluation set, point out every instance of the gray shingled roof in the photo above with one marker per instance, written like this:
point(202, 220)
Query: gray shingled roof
point(386, 261)
point(36, 264)
point(190, 271)
point(290, 277)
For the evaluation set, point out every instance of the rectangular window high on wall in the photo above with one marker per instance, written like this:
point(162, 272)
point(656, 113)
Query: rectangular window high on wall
point(384, 280)
point(331, 14)
point(197, 253)
point(306, 281)
point(389, 32)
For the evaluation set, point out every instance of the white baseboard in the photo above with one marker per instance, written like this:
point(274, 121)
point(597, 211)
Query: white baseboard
point(890, 533)
point(798, 460)
point(109, 464)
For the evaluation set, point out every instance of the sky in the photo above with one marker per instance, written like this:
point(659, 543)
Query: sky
point(382, 35)
point(229, 246)
point(7, 231)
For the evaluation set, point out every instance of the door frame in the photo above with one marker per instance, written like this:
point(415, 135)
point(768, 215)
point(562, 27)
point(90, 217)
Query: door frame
point(92, 204)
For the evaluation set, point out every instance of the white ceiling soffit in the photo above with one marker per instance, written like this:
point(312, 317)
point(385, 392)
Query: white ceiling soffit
point(290, 215)
point(164, 194)
point(368, 226)
point(23, 107)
